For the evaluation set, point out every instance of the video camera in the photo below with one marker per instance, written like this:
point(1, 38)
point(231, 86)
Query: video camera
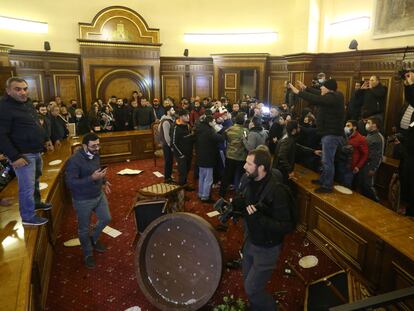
point(235, 209)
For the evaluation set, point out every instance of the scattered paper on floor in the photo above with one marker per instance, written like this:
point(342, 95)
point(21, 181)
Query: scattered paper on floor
point(213, 213)
point(158, 174)
point(72, 242)
point(111, 232)
point(128, 171)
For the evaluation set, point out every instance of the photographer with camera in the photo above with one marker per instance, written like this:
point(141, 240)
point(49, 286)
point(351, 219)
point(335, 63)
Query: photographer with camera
point(268, 217)
point(405, 138)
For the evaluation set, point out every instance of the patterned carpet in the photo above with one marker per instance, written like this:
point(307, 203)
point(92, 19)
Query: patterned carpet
point(112, 285)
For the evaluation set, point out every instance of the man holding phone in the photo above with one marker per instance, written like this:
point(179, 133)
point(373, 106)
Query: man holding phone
point(86, 180)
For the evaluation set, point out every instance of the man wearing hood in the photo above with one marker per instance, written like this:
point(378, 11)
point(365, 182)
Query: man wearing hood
point(257, 134)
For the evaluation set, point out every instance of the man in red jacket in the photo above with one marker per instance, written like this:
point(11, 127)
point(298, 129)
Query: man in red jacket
point(359, 152)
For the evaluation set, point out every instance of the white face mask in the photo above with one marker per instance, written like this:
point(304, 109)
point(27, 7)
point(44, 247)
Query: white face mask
point(321, 81)
point(347, 131)
point(367, 127)
point(79, 116)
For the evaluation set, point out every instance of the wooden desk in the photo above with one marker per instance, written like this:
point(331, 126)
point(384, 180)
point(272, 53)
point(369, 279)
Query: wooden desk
point(371, 239)
point(26, 253)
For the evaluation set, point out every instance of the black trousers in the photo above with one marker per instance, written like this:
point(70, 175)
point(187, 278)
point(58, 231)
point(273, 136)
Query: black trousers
point(168, 161)
point(184, 166)
point(232, 172)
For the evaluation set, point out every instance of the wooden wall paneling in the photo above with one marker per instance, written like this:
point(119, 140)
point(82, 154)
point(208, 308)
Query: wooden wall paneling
point(5, 73)
point(36, 85)
point(68, 86)
point(173, 86)
point(197, 74)
point(276, 90)
point(345, 86)
point(202, 85)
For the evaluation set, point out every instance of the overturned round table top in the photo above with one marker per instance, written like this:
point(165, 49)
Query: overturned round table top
point(178, 262)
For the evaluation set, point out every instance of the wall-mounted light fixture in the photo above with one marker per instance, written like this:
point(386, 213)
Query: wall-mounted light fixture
point(231, 38)
point(350, 26)
point(23, 25)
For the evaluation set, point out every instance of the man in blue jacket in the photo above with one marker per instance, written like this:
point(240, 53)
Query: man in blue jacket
point(86, 181)
point(22, 139)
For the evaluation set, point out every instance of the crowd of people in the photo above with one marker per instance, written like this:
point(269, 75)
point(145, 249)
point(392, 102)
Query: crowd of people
point(243, 146)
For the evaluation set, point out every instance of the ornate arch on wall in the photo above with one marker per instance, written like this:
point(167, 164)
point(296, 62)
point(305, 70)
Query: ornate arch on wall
point(119, 24)
point(117, 77)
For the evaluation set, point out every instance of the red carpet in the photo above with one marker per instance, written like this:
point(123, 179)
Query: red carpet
point(112, 285)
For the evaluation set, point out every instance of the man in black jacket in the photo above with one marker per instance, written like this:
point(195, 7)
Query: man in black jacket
point(405, 127)
point(87, 183)
point(268, 218)
point(22, 139)
point(182, 143)
point(374, 96)
point(329, 124)
point(285, 152)
point(207, 141)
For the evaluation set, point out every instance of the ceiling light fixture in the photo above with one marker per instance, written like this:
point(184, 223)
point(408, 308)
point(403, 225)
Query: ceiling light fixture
point(23, 25)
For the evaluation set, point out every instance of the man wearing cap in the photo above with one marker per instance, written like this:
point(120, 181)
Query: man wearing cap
point(182, 143)
point(158, 109)
point(329, 125)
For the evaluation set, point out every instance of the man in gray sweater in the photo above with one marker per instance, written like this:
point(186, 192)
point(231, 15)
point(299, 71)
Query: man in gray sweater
point(375, 153)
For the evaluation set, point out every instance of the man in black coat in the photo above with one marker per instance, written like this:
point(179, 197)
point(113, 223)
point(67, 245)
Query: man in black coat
point(268, 218)
point(22, 140)
point(207, 141)
point(405, 127)
point(182, 143)
point(329, 124)
point(284, 159)
point(374, 94)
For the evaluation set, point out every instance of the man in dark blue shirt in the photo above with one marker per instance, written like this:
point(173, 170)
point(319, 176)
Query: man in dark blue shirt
point(86, 181)
point(22, 139)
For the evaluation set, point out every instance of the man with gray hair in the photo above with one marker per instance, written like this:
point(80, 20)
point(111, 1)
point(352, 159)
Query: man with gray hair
point(22, 140)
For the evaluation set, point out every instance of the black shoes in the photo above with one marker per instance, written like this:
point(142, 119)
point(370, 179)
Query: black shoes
point(323, 190)
point(234, 264)
point(43, 206)
point(90, 262)
point(99, 246)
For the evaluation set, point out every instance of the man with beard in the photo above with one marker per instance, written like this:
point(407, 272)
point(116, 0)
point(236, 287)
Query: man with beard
point(87, 183)
point(22, 140)
point(267, 219)
point(158, 109)
point(43, 113)
point(196, 113)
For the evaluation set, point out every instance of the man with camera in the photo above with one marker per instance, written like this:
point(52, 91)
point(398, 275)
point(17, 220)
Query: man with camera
point(405, 138)
point(268, 218)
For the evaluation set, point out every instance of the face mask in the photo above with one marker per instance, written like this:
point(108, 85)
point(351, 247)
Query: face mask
point(367, 127)
point(348, 131)
point(320, 81)
point(78, 116)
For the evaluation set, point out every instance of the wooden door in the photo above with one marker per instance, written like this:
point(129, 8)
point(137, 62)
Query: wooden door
point(230, 82)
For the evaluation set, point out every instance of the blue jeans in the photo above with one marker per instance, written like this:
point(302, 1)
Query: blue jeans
point(330, 144)
point(257, 267)
point(28, 179)
point(84, 209)
point(205, 180)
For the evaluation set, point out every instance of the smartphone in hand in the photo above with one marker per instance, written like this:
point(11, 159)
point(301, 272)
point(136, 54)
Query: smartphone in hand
point(103, 167)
